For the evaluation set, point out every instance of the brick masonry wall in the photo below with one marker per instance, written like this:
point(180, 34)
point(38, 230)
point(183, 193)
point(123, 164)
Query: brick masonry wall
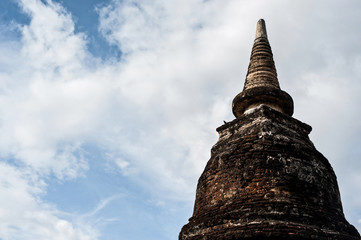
point(266, 180)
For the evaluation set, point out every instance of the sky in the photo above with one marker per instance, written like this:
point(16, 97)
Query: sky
point(108, 108)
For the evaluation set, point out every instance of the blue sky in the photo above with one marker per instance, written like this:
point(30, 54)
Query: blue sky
point(108, 109)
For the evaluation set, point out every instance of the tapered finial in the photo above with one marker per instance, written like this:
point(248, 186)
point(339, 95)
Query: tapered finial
point(261, 29)
point(261, 85)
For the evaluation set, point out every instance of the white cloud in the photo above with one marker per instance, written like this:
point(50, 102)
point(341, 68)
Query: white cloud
point(43, 108)
point(37, 103)
point(50, 44)
point(25, 216)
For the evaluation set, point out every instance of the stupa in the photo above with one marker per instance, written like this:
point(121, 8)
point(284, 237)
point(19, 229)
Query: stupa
point(265, 179)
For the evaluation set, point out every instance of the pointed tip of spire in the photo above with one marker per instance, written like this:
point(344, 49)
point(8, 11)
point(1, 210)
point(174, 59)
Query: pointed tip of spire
point(261, 29)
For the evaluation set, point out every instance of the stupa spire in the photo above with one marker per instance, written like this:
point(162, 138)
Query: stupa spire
point(261, 85)
point(265, 178)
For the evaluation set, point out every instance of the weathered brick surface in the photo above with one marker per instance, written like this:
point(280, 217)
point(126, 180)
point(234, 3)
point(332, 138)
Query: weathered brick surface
point(266, 180)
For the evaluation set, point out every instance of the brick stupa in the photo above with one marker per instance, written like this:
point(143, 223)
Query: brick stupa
point(265, 178)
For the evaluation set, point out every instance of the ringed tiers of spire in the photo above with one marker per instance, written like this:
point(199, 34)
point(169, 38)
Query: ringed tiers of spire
point(261, 85)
